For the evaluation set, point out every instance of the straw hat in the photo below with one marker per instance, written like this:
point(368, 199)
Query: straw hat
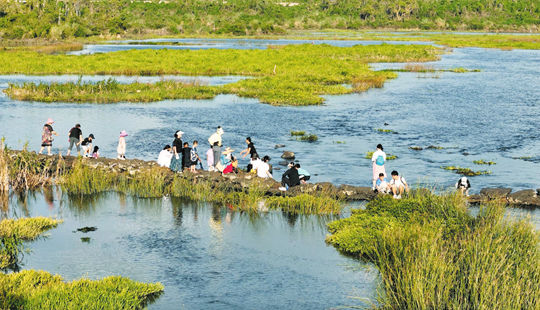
point(50, 121)
point(228, 150)
point(123, 133)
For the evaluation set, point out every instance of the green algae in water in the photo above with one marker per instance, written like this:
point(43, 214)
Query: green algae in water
point(484, 162)
point(297, 133)
point(466, 171)
point(386, 130)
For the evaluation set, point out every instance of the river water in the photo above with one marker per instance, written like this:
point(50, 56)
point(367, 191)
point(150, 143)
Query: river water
point(207, 257)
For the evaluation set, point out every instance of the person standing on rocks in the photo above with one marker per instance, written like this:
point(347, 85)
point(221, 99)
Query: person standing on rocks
point(121, 149)
point(47, 136)
point(249, 150)
point(177, 146)
point(378, 159)
point(75, 138)
point(216, 143)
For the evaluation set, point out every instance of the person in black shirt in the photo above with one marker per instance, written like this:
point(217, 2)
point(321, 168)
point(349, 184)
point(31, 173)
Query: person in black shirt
point(75, 137)
point(87, 145)
point(250, 149)
point(177, 145)
point(290, 178)
point(186, 156)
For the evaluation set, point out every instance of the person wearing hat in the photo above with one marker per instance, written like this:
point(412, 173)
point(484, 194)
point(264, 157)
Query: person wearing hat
point(87, 145)
point(47, 136)
point(121, 149)
point(215, 144)
point(177, 146)
point(225, 159)
point(75, 138)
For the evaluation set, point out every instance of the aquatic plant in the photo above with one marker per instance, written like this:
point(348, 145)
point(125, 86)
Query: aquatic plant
point(27, 170)
point(4, 169)
point(297, 133)
point(465, 171)
point(433, 254)
point(434, 147)
point(31, 289)
point(14, 231)
point(389, 156)
point(385, 130)
point(309, 138)
point(416, 148)
point(483, 162)
point(292, 75)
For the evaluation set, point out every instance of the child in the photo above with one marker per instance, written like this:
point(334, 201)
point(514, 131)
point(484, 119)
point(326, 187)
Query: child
point(232, 167)
point(398, 185)
point(121, 149)
point(194, 156)
point(463, 185)
point(381, 184)
point(210, 159)
point(186, 157)
point(95, 153)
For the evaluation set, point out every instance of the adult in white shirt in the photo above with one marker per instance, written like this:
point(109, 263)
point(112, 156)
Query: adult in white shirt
point(263, 168)
point(165, 156)
point(378, 159)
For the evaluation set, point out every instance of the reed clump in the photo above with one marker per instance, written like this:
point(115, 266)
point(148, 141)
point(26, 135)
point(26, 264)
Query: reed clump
point(433, 254)
point(31, 289)
point(14, 231)
point(27, 170)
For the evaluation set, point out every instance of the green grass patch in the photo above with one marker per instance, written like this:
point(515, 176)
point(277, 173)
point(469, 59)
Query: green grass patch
point(484, 162)
point(30, 289)
point(309, 138)
point(290, 75)
point(465, 171)
point(14, 231)
point(388, 156)
point(433, 254)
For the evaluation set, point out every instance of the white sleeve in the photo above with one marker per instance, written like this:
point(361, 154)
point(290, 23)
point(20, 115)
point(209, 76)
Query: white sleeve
point(374, 156)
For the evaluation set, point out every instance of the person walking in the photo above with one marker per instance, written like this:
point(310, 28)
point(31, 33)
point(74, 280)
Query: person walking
point(121, 149)
point(47, 136)
point(250, 149)
point(75, 138)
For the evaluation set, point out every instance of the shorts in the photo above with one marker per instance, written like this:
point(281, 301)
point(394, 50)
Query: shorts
point(47, 143)
point(398, 184)
point(74, 141)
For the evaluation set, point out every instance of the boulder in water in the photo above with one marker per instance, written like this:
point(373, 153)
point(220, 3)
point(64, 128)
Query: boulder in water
point(493, 193)
point(277, 146)
point(287, 155)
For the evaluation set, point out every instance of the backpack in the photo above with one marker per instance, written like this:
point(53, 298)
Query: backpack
point(380, 160)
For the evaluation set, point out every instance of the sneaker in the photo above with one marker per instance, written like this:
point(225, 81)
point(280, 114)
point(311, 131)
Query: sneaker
point(398, 197)
point(283, 189)
point(395, 196)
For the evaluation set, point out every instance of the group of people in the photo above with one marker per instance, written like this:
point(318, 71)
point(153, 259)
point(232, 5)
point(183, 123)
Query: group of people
point(181, 157)
point(75, 139)
point(397, 184)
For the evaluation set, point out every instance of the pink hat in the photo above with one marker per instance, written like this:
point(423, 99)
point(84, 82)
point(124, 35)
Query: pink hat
point(49, 121)
point(123, 133)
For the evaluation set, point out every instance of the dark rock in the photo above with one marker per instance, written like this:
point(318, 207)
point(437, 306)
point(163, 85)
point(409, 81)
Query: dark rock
point(283, 163)
point(465, 154)
point(288, 155)
point(356, 192)
point(494, 193)
point(527, 197)
point(476, 199)
point(86, 229)
point(277, 146)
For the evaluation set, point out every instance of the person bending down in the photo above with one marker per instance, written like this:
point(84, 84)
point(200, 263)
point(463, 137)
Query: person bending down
point(463, 185)
point(290, 178)
point(398, 185)
point(381, 185)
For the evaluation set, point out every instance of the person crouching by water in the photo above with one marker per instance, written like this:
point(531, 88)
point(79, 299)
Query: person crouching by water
point(382, 185)
point(47, 136)
point(463, 185)
point(290, 178)
point(95, 153)
point(303, 174)
point(378, 159)
point(177, 145)
point(232, 167)
point(165, 156)
point(87, 145)
point(398, 185)
point(263, 168)
point(224, 160)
